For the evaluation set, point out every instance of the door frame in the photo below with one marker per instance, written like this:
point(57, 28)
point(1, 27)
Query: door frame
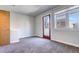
point(47, 37)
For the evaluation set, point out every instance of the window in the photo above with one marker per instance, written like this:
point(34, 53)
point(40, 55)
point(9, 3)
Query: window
point(74, 19)
point(61, 21)
point(67, 19)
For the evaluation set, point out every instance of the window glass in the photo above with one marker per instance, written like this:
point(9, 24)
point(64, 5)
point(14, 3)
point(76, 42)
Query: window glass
point(61, 21)
point(74, 19)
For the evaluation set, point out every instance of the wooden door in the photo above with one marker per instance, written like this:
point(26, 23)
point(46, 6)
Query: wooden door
point(4, 27)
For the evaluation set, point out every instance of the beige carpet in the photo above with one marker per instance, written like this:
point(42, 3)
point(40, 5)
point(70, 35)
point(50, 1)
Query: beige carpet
point(38, 45)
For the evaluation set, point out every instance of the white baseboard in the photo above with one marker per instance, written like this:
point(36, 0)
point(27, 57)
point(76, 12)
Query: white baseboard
point(71, 44)
point(18, 40)
point(14, 41)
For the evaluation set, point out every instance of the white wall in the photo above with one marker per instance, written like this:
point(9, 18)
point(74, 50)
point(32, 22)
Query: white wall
point(20, 26)
point(65, 36)
point(70, 37)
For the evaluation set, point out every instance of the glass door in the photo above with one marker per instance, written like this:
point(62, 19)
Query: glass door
point(46, 27)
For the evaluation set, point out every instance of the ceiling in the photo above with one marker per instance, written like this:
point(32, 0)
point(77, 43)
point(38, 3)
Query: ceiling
point(31, 10)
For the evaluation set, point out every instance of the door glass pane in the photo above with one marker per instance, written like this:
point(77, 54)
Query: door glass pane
point(46, 25)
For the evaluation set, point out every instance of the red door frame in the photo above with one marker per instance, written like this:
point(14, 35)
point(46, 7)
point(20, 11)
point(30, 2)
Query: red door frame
point(47, 37)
